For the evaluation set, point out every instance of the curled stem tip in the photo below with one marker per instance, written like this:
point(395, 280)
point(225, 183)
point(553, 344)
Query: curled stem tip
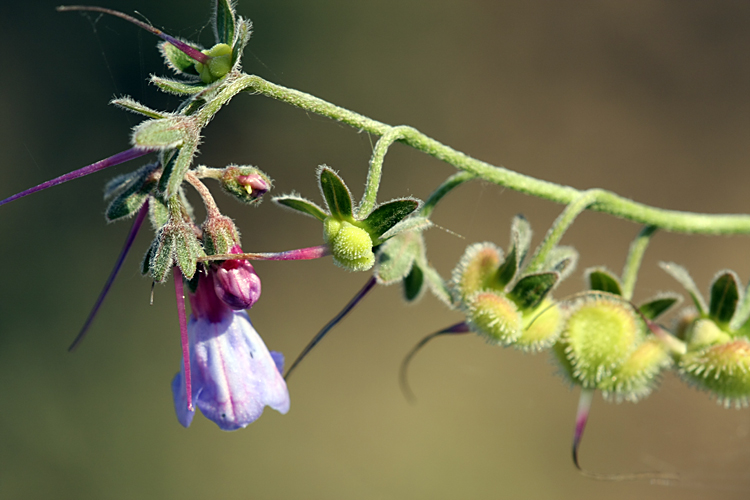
point(299, 254)
point(322, 333)
point(403, 378)
point(582, 416)
point(118, 264)
point(113, 160)
point(179, 291)
point(191, 52)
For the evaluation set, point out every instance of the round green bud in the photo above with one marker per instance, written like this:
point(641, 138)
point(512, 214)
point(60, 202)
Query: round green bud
point(219, 65)
point(351, 246)
point(494, 316)
point(600, 334)
point(541, 326)
point(476, 270)
point(721, 369)
point(638, 375)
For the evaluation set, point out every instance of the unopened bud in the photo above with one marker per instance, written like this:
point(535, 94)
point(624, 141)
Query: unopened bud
point(219, 235)
point(248, 184)
point(236, 283)
point(351, 246)
point(219, 64)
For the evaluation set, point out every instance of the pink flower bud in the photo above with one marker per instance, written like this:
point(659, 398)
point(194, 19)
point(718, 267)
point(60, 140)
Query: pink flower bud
point(236, 283)
point(254, 184)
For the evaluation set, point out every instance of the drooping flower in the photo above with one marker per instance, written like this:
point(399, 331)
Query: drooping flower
point(233, 374)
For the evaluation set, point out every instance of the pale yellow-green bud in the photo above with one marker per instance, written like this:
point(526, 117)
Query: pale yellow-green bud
point(219, 65)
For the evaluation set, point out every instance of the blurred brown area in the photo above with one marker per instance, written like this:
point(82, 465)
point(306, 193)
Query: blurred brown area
point(648, 99)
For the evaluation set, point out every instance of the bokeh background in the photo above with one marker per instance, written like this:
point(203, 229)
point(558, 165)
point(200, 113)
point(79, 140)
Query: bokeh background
point(646, 98)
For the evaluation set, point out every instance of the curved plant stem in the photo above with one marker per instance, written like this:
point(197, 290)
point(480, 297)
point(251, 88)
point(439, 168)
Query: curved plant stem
point(635, 257)
point(446, 187)
point(605, 201)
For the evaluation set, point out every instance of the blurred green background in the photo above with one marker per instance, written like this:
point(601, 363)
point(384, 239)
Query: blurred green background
point(648, 99)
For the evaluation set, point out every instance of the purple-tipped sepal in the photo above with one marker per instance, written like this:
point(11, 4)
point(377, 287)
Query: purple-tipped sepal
point(234, 376)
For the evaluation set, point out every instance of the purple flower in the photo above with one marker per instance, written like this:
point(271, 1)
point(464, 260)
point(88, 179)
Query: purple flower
point(234, 376)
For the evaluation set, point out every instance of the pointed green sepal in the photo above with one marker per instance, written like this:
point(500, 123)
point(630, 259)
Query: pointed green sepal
point(337, 195)
point(725, 296)
point(163, 133)
point(175, 170)
point(176, 87)
point(158, 213)
point(146, 262)
point(562, 260)
point(437, 284)
point(414, 284)
point(301, 205)
point(127, 203)
point(224, 21)
point(387, 215)
point(683, 277)
point(531, 289)
point(660, 304)
point(413, 223)
point(521, 233)
point(603, 280)
point(131, 104)
point(177, 60)
point(242, 32)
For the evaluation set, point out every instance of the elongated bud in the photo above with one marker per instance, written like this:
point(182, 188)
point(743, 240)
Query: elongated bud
point(236, 283)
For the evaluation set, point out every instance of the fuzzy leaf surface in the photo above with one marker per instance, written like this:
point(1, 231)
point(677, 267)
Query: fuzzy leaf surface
point(301, 205)
point(531, 289)
point(724, 297)
point(603, 281)
point(388, 215)
point(336, 194)
point(683, 277)
point(224, 21)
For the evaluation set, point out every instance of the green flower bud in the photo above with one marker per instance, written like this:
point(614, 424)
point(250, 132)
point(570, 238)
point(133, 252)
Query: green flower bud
point(476, 270)
point(219, 65)
point(541, 327)
point(721, 369)
point(351, 246)
point(247, 184)
point(600, 335)
point(704, 332)
point(494, 316)
point(219, 235)
point(638, 375)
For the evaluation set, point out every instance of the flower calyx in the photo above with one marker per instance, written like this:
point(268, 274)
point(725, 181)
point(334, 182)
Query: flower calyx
point(352, 239)
point(504, 303)
point(717, 335)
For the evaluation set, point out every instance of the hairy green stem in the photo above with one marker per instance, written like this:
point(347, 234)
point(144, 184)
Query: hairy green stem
point(606, 202)
point(561, 224)
point(446, 187)
point(633, 263)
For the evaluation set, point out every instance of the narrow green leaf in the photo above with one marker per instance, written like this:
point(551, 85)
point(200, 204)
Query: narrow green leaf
point(301, 205)
point(158, 213)
point(531, 289)
point(437, 284)
point(224, 20)
point(129, 202)
point(131, 104)
point(337, 196)
point(176, 87)
point(414, 284)
point(242, 32)
point(387, 215)
point(409, 224)
point(603, 280)
point(724, 297)
point(657, 306)
point(172, 178)
point(742, 314)
point(520, 232)
point(683, 277)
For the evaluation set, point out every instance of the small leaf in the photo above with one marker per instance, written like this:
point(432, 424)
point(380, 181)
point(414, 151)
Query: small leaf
point(337, 196)
point(742, 314)
point(176, 87)
point(657, 306)
point(130, 201)
point(724, 297)
point(603, 280)
point(413, 223)
point(531, 289)
point(396, 257)
point(683, 277)
point(224, 20)
point(301, 205)
point(387, 215)
point(164, 133)
point(520, 231)
point(242, 32)
point(176, 59)
point(158, 213)
point(413, 284)
point(131, 104)
point(437, 284)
